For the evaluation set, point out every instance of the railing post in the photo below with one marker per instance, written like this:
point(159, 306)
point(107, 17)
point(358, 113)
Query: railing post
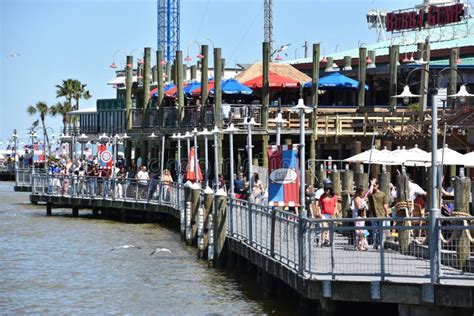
point(331, 238)
point(272, 234)
point(382, 250)
point(301, 257)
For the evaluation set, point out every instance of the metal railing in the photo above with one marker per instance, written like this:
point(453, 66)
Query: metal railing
point(376, 249)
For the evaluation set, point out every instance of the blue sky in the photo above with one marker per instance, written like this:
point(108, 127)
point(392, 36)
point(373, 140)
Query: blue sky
point(61, 39)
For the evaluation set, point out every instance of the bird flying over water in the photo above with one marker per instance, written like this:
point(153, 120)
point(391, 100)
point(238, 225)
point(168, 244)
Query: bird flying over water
point(125, 247)
point(157, 250)
point(13, 55)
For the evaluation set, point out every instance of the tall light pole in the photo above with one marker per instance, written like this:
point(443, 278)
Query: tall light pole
point(216, 133)
point(279, 121)
point(249, 123)
point(434, 211)
point(231, 130)
point(82, 139)
point(206, 134)
point(179, 137)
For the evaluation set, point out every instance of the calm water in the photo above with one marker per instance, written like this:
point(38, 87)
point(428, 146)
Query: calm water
point(61, 264)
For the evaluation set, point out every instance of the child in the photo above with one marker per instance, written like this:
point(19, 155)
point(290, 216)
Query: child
point(361, 233)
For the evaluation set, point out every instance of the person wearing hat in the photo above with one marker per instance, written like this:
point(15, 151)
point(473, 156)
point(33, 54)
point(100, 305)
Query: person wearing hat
point(327, 205)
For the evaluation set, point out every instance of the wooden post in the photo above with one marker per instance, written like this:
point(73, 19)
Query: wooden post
point(329, 64)
point(146, 77)
point(220, 227)
point(462, 193)
point(357, 150)
point(394, 55)
point(168, 70)
point(160, 81)
point(128, 91)
point(347, 191)
point(179, 84)
point(208, 199)
point(362, 74)
point(314, 114)
point(335, 178)
point(204, 79)
point(384, 181)
point(453, 77)
point(218, 104)
point(75, 211)
point(193, 72)
point(95, 212)
point(265, 100)
point(153, 73)
point(49, 208)
point(195, 191)
point(361, 179)
point(425, 53)
point(321, 174)
point(388, 144)
point(376, 167)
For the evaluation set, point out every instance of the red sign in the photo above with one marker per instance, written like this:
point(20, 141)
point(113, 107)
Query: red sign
point(430, 16)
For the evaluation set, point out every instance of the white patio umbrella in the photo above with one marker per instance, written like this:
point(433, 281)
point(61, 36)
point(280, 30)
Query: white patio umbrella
point(364, 157)
point(398, 156)
point(417, 157)
point(447, 156)
point(382, 157)
point(469, 159)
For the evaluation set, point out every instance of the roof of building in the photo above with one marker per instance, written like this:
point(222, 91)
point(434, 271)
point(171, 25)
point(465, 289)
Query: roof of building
point(458, 36)
point(282, 69)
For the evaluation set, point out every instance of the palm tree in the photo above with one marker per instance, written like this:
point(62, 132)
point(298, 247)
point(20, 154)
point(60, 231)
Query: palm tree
point(66, 90)
point(79, 92)
point(43, 110)
point(62, 109)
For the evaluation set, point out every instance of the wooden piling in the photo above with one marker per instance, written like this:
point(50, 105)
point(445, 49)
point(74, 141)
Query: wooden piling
point(204, 79)
point(321, 174)
point(196, 194)
point(384, 181)
point(425, 53)
point(128, 91)
point(207, 212)
point(453, 77)
point(347, 179)
point(362, 75)
point(146, 77)
point(265, 100)
point(49, 208)
point(75, 211)
point(361, 180)
point(160, 81)
point(179, 84)
point(314, 114)
point(193, 72)
point(394, 55)
point(357, 150)
point(219, 227)
point(462, 193)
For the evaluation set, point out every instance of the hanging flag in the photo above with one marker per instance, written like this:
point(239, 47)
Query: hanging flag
point(284, 178)
point(38, 152)
point(190, 169)
point(105, 155)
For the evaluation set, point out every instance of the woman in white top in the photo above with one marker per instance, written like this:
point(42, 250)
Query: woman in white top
point(359, 202)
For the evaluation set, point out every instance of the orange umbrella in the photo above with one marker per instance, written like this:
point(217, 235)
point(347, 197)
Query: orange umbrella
point(190, 169)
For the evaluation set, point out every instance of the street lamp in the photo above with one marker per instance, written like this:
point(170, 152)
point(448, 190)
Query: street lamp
point(249, 123)
point(301, 108)
point(279, 121)
point(231, 130)
point(82, 139)
point(206, 134)
point(15, 140)
point(216, 133)
point(179, 137)
point(279, 50)
point(434, 212)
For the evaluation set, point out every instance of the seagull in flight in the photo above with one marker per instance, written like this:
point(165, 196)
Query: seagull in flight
point(157, 250)
point(13, 55)
point(125, 247)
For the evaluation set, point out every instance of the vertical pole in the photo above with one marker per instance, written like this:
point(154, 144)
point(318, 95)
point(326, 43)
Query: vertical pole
point(193, 72)
point(278, 132)
point(128, 91)
point(453, 75)
point(393, 76)
point(314, 114)
point(146, 77)
point(206, 162)
point(196, 157)
point(231, 141)
point(179, 84)
point(425, 53)
point(162, 156)
point(204, 78)
point(265, 100)
point(216, 163)
point(434, 212)
point(218, 62)
point(302, 196)
point(250, 197)
point(362, 74)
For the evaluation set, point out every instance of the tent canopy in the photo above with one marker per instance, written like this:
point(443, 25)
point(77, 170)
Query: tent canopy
point(274, 80)
point(232, 86)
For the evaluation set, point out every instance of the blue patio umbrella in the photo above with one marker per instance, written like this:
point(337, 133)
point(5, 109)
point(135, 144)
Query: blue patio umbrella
point(232, 86)
point(336, 80)
point(191, 86)
point(167, 87)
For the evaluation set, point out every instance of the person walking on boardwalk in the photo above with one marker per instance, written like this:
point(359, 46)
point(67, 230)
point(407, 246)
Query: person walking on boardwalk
point(142, 179)
point(378, 207)
point(327, 205)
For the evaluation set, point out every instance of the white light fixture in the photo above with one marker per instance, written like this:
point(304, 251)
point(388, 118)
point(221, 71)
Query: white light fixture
point(152, 135)
point(231, 129)
point(205, 132)
point(251, 122)
point(83, 136)
point(125, 136)
point(462, 94)
point(406, 95)
point(301, 106)
point(279, 119)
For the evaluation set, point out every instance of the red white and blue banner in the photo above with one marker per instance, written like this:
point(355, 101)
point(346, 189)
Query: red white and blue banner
point(283, 176)
point(105, 155)
point(38, 152)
